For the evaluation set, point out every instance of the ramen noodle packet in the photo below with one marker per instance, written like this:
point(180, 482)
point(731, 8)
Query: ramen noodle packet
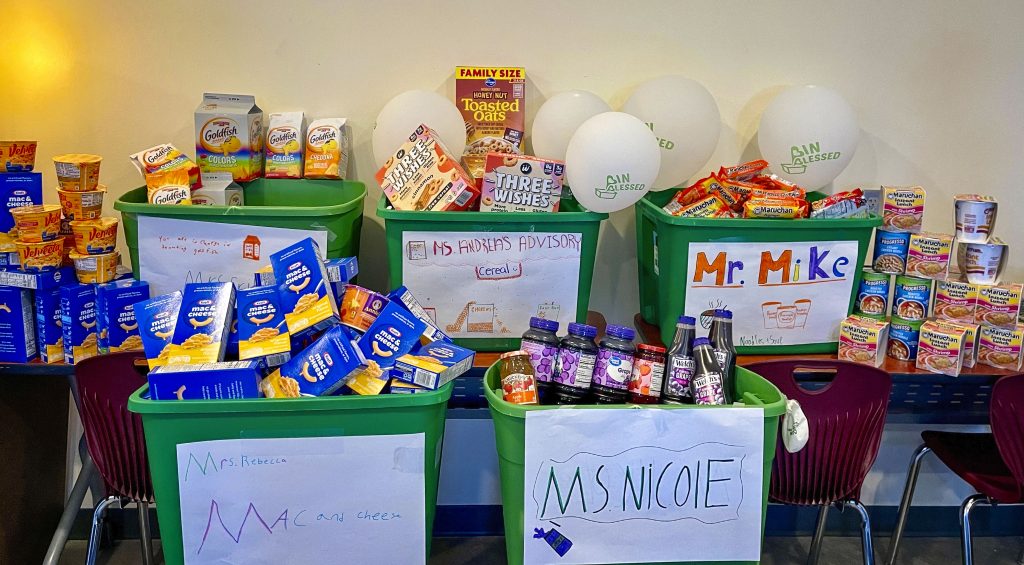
point(940, 349)
point(928, 255)
point(492, 101)
point(783, 208)
point(166, 157)
point(285, 140)
point(262, 330)
point(204, 322)
point(863, 340)
point(744, 172)
point(955, 300)
point(1001, 347)
point(902, 208)
point(998, 305)
point(307, 299)
point(971, 344)
point(205, 381)
point(423, 174)
point(849, 204)
point(709, 207)
point(17, 330)
point(432, 365)
point(169, 187)
point(156, 318)
point(327, 149)
point(78, 322)
point(17, 156)
point(319, 370)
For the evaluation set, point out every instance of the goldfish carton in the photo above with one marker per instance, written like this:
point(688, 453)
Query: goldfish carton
point(165, 157)
point(229, 136)
point(17, 326)
point(327, 149)
point(285, 141)
point(218, 190)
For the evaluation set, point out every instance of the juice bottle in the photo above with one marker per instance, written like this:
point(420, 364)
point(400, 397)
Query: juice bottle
point(518, 382)
point(577, 354)
point(679, 370)
point(648, 373)
point(720, 335)
point(614, 366)
point(707, 385)
point(541, 342)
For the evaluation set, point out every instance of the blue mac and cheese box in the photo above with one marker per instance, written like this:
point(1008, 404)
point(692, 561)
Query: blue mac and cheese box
point(306, 297)
point(17, 326)
point(16, 190)
point(433, 365)
point(38, 280)
point(394, 333)
point(205, 381)
point(156, 318)
point(78, 320)
point(405, 297)
point(119, 331)
point(262, 332)
point(49, 333)
point(319, 370)
point(204, 323)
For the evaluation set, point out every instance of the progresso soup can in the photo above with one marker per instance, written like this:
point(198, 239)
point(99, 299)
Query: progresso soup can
point(911, 298)
point(891, 250)
point(903, 337)
point(873, 295)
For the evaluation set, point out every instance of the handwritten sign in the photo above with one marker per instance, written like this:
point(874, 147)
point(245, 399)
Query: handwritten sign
point(486, 285)
point(668, 485)
point(174, 252)
point(303, 500)
point(779, 293)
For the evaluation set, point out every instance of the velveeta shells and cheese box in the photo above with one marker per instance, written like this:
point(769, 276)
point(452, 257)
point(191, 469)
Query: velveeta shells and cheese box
point(863, 340)
point(423, 175)
point(307, 298)
point(204, 322)
point(1001, 347)
point(493, 105)
point(940, 348)
point(516, 183)
point(229, 136)
point(998, 305)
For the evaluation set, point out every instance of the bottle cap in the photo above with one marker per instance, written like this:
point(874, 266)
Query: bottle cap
point(651, 348)
point(514, 354)
point(688, 320)
point(621, 332)
point(723, 313)
point(544, 324)
point(701, 341)
point(582, 330)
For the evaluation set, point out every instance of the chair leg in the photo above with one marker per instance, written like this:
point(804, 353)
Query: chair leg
point(819, 533)
point(965, 525)
point(67, 519)
point(97, 527)
point(145, 538)
point(908, 497)
point(865, 530)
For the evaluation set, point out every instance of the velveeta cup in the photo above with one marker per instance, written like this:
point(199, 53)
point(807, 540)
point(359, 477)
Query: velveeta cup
point(96, 268)
point(36, 223)
point(95, 237)
point(87, 205)
point(78, 172)
point(40, 256)
point(975, 217)
point(982, 263)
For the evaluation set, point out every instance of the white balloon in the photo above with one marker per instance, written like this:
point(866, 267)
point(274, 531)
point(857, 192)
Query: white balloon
point(559, 117)
point(808, 135)
point(403, 113)
point(611, 161)
point(685, 117)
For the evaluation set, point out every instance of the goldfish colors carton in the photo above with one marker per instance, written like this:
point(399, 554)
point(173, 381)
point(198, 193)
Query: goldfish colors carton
point(48, 326)
point(156, 318)
point(433, 365)
point(205, 381)
point(78, 321)
point(218, 190)
point(306, 296)
point(204, 322)
point(262, 332)
point(285, 141)
point(17, 326)
point(229, 135)
point(116, 316)
point(320, 370)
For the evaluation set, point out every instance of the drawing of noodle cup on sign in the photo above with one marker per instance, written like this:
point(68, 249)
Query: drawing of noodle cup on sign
point(803, 309)
point(787, 317)
point(982, 263)
point(975, 216)
point(770, 311)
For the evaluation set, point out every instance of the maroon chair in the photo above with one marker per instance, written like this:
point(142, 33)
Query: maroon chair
point(115, 438)
point(845, 417)
point(992, 463)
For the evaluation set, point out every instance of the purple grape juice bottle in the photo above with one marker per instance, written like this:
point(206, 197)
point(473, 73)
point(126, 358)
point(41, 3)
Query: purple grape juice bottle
point(614, 366)
point(541, 342)
point(708, 384)
point(577, 354)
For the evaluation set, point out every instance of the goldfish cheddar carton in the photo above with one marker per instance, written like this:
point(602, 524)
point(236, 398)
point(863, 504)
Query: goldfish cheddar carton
point(156, 318)
point(327, 149)
point(17, 326)
point(229, 136)
point(206, 381)
point(78, 322)
point(284, 145)
point(204, 323)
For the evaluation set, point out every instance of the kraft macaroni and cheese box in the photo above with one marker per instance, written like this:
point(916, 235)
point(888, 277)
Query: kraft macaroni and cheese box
point(433, 365)
point(156, 318)
point(232, 352)
point(229, 136)
point(368, 379)
point(17, 326)
point(394, 333)
point(119, 330)
point(405, 297)
point(262, 332)
point(49, 334)
point(319, 370)
point(306, 297)
point(339, 272)
point(402, 387)
point(38, 280)
point(16, 189)
point(204, 322)
point(78, 321)
point(205, 381)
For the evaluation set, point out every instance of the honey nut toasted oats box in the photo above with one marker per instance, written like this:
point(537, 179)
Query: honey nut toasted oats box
point(433, 365)
point(394, 333)
point(319, 370)
point(78, 322)
point(492, 101)
point(206, 381)
point(17, 326)
point(156, 318)
point(306, 295)
point(49, 334)
point(262, 331)
point(116, 315)
point(204, 322)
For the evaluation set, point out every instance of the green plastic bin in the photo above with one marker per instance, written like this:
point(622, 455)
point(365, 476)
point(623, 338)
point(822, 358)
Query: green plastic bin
point(169, 423)
point(570, 218)
point(663, 246)
point(510, 434)
point(305, 204)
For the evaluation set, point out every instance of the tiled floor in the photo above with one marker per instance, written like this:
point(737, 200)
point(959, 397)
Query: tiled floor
point(777, 551)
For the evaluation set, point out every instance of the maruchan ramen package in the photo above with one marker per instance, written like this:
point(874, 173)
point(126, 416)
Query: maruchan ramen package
point(902, 208)
point(116, 316)
point(327, 149)
point(49, 334)
point(928, 255)
point(165, 157)
point(955, 300)
point(285, 140)
point(1001, 347)
point(16, 190)
point(863, 340)
point(493, 105)
point(17, 156)
point(218, 190)
point(405, 297)
point(78, 321)
point(516, 183)
point(360, 307)
point(262, 331)
point(971, 337)
point(17, 326)
point(156, 318)
point(205, 381)
point(392, 334)
point(998, 305)
point(940, 348)
point(319, 370)
point(204, 321)
point(423, 175)
point(433, 365)
point(306, 296)
point(229, 136)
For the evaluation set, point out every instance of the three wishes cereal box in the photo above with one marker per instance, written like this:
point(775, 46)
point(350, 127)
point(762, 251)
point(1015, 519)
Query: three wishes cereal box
point(515, 183)
point(423, 175)
point(492, 101)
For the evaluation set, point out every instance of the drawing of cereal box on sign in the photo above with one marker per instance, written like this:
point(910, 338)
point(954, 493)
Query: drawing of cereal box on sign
point(481, 318)
point(548, 310)
point(786, 316)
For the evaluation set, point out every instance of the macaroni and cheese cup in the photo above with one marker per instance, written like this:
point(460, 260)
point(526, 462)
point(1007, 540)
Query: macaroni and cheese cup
point(95, 237)
point(36, 223)
point(96, 268)
point(17, 156)
point(85, 205)
point(40, 256)
point(78, 172)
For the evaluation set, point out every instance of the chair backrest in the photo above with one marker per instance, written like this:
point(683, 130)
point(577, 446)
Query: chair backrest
point(115, 437)
point(1007, 419)
point(845, 418)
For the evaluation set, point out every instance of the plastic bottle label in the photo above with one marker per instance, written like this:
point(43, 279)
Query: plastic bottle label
point(680, 373)
point(542, 357)
point(647, 377)
point(575, 368)
point(707, 389)
point(613, 369)
point(722, 356)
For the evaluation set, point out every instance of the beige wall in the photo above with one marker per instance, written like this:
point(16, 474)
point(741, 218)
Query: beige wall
point(937, 85)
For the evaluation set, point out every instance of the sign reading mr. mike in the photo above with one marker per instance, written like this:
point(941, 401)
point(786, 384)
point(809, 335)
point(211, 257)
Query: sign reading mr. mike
point(625, 485)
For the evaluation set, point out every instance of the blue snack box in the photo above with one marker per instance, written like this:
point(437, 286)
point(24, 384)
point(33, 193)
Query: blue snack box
point(319, 370)
point(306, 298)
point(204, 323)
point(405, 297)
point(394, 333)
point(17, 326)
point(205, 381)
point(262, 332)
point(37, 280)
point(18, 189)
point(402, 387)
point(433, 365)
point(48, 326)
point(119, 330)
point(78, 320)
point(156, 318)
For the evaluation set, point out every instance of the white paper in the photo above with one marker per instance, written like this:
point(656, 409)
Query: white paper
point(670, 508)
point(356, 499)
point(488, 285)
point(779, 293)
point(174, 252)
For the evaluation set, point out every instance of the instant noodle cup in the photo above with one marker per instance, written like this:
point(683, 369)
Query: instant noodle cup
point(982, 263)
point(863, 340)
point(78, 171)
point(96, 268)
point(82, 205)
point(40, 256)
point(17, 156)
point(95, 237)
point(975, 217)
point(940, 347)
point(40, 222)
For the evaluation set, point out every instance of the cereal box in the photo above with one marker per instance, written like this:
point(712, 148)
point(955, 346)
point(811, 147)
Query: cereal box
point(392, 334)
point(49, 334)
point(423, 175)
point(319, 370)
point(929, 254)
point(433, 365)
point(902, 208)
point(16, 190)
point(262, 332)
point(998, 305)
point(119, 330)
point(156, 318)
point(327, 149)
point(205, 381)
point(516, 183)
point(1001, 347)
point(218, 190)
point(955, 300)
point(17, 326)
point(204, 322)
point(285, 140)
point(360, 307)
point(405, 297)
point(17, 156)
point(941, 347)
point(493, 105)
point(78, 322)
point(306, 297)
point(229, 135)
